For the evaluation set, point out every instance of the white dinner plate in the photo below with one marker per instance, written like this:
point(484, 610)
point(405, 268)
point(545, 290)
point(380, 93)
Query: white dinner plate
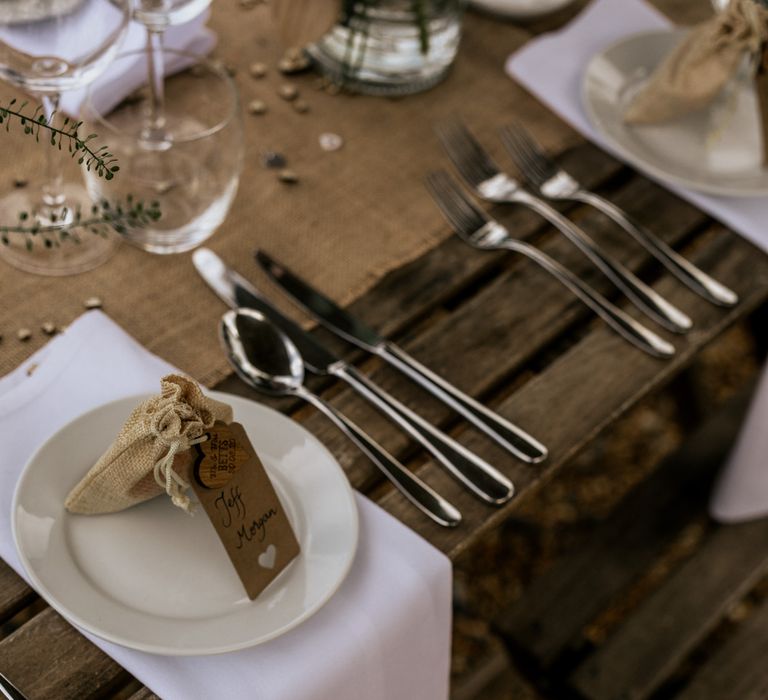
point(153, 578)
point(680, 151)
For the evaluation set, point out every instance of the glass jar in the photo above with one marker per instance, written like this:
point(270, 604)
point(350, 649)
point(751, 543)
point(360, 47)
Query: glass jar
point(390, 47)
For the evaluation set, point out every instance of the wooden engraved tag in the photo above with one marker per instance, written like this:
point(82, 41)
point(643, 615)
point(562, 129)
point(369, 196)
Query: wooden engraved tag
point(238, 497)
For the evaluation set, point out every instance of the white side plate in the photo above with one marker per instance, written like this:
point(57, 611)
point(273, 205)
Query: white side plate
point(155, 579)
point(716, 150)
point(520, 9)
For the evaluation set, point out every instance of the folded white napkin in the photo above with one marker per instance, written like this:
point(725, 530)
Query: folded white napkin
point(741, 492)
point(72, 37)
point(121, 79)
point(385, 635)
point(552, 68)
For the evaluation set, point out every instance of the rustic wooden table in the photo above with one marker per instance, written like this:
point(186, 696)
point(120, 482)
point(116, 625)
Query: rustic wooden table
point(504, 332)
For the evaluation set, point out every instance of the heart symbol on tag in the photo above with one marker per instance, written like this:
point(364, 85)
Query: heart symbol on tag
point(267, 557)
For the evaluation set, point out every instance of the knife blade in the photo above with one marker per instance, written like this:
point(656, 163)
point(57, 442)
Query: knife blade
point(236, 291)
point(476, 474)
point(342, 323)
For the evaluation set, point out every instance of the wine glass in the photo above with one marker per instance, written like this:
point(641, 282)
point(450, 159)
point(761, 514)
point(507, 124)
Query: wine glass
point(157, 16)
point(193, 178)
point(48, 47)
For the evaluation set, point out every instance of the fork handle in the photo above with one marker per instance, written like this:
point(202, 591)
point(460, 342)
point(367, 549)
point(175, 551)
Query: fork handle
point(414, 489)
point(622, 323)
point(476, 474)
point(509, 436)
point(641, 295)
point(696, 279)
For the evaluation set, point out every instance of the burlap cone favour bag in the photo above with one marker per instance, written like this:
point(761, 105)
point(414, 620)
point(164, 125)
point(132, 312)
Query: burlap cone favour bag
point(700, 67)
point(150, 454)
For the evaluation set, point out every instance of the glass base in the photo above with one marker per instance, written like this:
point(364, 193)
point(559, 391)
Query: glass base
point(59, 256)
point(388, 49)
point(377, 86)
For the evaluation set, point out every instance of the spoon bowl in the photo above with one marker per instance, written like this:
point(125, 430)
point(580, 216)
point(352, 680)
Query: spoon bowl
point(261, 354)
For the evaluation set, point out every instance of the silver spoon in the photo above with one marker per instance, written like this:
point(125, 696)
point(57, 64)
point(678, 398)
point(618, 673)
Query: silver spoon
point(266, 359)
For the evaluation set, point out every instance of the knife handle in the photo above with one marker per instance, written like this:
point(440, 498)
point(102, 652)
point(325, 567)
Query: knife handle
point(9, 690)
point(509, 436)
point(413, 488)
point(476, 474)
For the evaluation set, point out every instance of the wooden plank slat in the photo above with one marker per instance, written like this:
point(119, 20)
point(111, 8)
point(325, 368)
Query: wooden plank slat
point(737, 671)
point(15, 594)
point(560, 603)
point(144, 694)
point(669, 624)
point(597, 380)
point(47, 658)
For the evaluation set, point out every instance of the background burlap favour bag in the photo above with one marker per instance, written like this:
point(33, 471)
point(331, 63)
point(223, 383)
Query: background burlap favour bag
point(148, 456)
point(706, 60)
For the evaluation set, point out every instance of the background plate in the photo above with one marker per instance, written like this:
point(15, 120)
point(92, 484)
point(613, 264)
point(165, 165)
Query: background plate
point(678, 151)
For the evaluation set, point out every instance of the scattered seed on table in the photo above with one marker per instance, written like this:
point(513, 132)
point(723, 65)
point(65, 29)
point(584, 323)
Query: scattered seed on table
point(292, 64)
point(288, 92)
point(92, 303)
point(49, 328)
point(23, 334)
point(330, 141)
point(288, 177)
point(273, 159)
point(301, 107)
point(257, 70)
point(257, 107)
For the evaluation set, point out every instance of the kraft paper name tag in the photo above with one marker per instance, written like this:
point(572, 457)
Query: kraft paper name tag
point(238, 497)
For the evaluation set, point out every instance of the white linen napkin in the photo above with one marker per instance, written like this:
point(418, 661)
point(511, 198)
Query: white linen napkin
point(552, 68)
point(67, 39)
point(385, 635)
point(122, 78)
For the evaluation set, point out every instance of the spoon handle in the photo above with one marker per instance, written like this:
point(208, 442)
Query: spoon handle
point(415, 490)
point(476, 474)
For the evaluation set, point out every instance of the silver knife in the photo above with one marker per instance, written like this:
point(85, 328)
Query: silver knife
point(476, 474)
point(336, 319)
point(9, 691)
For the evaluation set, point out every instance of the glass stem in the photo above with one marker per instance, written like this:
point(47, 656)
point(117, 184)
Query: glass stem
point(154, 128)
point(53, 196)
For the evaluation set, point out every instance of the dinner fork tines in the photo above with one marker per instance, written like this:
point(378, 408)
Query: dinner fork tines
point(492, 184)
point(543, 174)
point(475, 227)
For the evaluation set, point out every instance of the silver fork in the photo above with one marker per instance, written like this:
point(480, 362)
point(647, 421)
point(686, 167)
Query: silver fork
point(492, 184)
point(555, 183)
point(478, 229)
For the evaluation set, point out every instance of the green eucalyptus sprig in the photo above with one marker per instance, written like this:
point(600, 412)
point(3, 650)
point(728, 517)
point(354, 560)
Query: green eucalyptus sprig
point(121, 216)
point(99, 159)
